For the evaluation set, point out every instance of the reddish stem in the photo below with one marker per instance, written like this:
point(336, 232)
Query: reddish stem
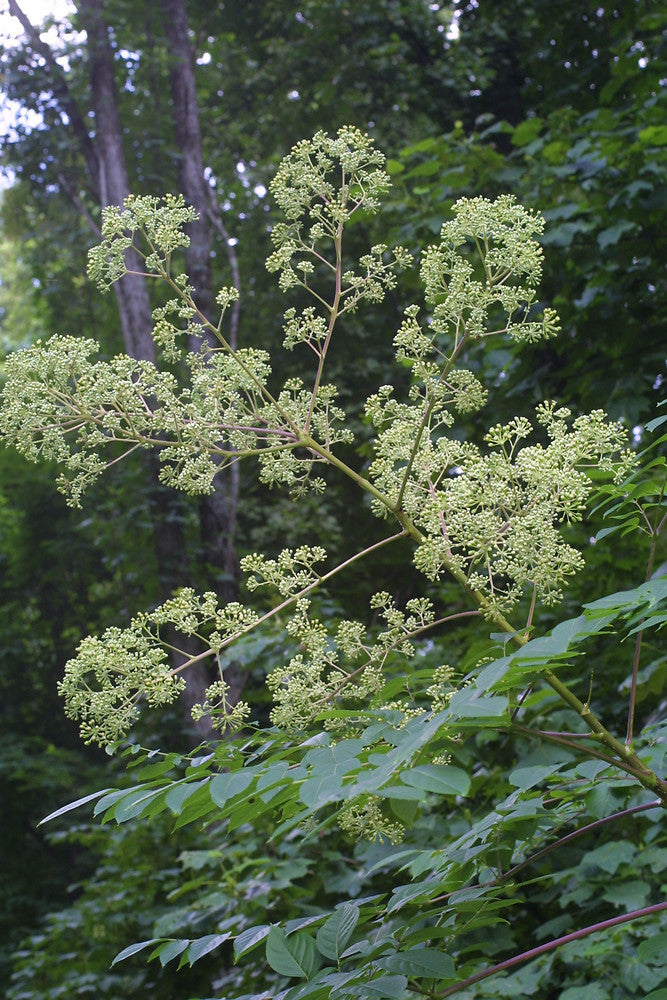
point(543, 949)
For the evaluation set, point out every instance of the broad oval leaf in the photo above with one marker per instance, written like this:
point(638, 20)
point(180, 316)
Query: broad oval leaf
point(334, 934)
point(445, 779)
point(423, 963)
point(225, 786)
point(291, 956)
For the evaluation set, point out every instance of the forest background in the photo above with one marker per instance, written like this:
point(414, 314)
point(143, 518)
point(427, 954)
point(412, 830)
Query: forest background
point(567, 113)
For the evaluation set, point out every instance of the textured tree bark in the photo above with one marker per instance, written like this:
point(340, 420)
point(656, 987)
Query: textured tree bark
point(188, 140)
point(218, 511)
point(113, 182)
point(108, 178)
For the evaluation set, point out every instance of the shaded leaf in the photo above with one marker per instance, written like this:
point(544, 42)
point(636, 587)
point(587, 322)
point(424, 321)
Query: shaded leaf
point(291, 956)
point(333, 936)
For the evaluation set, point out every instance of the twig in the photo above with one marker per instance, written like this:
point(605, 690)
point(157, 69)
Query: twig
point(543, 949)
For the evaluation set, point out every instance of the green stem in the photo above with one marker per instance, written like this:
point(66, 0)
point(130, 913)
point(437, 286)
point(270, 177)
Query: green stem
point(424, 421)
point(625, 757)
point(291, 600)
point(332, 322)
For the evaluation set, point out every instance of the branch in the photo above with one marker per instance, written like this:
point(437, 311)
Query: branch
point(64, 95)
point(293, 599)
point(543, 949)
point(215, 217)
point(580, 832)
point(79, 205)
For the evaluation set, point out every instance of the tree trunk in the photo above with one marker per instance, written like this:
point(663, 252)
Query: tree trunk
point(188, 139)
point(107, 177)
point(218, 511)
point(113, 183)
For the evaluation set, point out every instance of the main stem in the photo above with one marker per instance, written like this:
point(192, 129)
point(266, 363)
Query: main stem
point(626, 758)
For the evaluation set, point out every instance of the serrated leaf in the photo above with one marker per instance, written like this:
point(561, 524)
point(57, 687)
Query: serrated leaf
point(334, 934)
point(291, 956)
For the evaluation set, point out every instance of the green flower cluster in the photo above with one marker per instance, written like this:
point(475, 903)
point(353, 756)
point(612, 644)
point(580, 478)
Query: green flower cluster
point(495, 514)
point(111, 674)
point(159, 221)
point(289, 574)
point(346, 667)
point(225, 715)
point(364, 819)
point(490, 515)
point(104, 683)
point(499, 235)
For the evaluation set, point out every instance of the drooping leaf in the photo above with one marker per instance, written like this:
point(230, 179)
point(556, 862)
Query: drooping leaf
point(73, 805)
point(133, 949)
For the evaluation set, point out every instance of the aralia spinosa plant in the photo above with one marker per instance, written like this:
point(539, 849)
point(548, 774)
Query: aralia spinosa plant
point(359, 736)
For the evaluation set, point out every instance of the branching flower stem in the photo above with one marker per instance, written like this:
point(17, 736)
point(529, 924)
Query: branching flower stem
point(165, 275)
point(428, 409)
point(623, 756)
point(580, 832)
point(332, 322)
point(402, 638)
point(290, 601)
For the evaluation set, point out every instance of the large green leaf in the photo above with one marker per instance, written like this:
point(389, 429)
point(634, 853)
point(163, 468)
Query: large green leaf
point(422, 963)
point(445, 779)
point(225, 786)
point(291, 956)
point(333, 936)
